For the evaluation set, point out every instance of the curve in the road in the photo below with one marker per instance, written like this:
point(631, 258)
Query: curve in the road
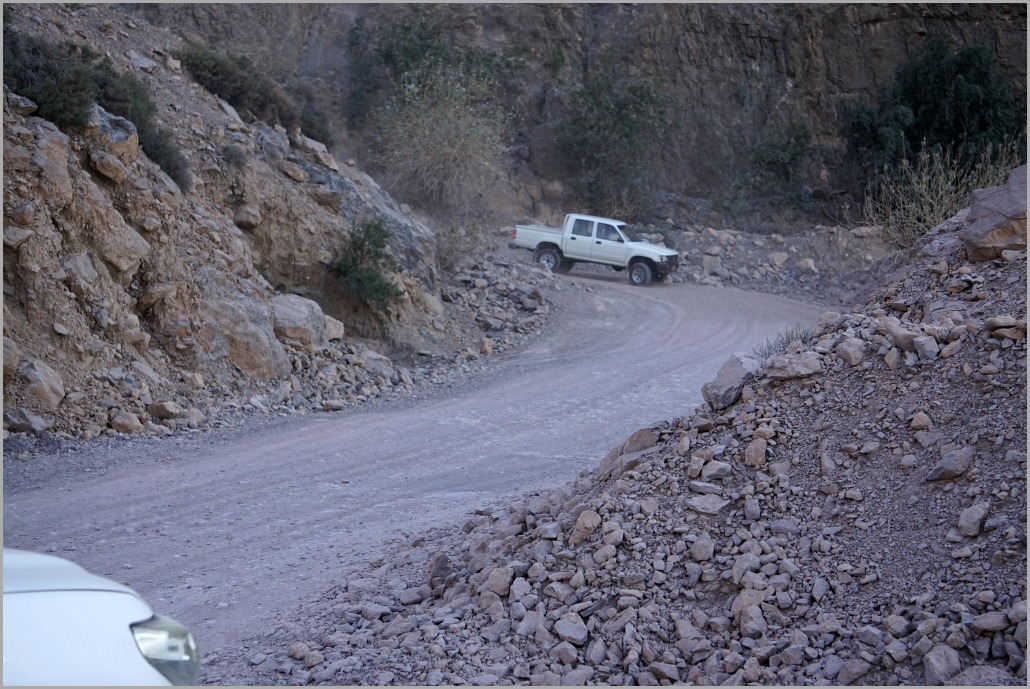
point(226, 539)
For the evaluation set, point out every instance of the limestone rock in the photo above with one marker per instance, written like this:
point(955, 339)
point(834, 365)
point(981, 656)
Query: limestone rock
point(806, 266)
point(299, 319)
point(43, 382)
point(998, 218)
point(725, 390)
point(499, 580)
point(972, 518)
point(851, 350)
point(586, 525)
point(125, 422)
point(165, 410)
point(707, 504)
point(14, 237)
point(940, 664)
point(334, 329)
point(570, 627)
point(108, 165)
point(952, 465)
point(116, 135)
point(21, 420)
point(754, 454)
point(247, 217)
point(238, 327)
point(122, 248)
point(788, 366)
point(140, 62)
point(983, 676)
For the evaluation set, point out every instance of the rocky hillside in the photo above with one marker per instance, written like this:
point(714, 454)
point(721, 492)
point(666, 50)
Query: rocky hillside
point(849, 511)
point(131, 306)
point(733, 71)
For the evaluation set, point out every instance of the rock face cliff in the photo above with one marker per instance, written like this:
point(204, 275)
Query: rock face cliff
point(733, 71)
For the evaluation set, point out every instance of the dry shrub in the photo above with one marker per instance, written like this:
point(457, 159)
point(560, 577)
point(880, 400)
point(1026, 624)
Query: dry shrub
point(917, 196)
point(779, 344)
point(457, 244)
point(442, 139)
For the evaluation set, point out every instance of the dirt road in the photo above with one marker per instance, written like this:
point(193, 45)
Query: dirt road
point(228, 536)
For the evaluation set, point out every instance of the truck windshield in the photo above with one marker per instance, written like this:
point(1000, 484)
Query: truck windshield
point(630, 234)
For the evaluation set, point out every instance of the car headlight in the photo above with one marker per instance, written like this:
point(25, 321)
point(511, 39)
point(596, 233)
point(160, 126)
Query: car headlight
point(169, 647)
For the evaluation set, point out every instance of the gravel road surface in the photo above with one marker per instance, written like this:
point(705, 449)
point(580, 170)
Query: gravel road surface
point(229, 531)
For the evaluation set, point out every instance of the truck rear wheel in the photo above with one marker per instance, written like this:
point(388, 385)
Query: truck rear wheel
point(550, 259)
point(639, 274)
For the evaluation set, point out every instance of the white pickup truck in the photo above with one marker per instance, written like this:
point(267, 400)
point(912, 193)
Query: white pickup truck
point(590, 239)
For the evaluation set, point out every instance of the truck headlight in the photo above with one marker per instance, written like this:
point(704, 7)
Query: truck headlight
point(169, 647)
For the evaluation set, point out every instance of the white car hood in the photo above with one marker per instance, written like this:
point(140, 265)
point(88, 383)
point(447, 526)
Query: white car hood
point(663, 250)
point(26, 572)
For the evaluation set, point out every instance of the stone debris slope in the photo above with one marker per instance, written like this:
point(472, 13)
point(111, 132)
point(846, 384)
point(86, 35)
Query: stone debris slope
point(850, 511)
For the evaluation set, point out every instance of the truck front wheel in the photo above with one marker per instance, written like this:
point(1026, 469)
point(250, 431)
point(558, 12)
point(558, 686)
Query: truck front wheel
point(549, 258)
point(639, 274)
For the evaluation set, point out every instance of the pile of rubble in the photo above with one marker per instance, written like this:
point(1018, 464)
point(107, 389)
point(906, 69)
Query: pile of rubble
point(824, 265)
point(500, 301)
point(851, 510)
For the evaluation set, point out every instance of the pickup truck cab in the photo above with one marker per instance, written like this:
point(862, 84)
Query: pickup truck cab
point(593, 239)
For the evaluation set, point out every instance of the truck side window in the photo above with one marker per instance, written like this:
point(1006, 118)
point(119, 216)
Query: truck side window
point(582, 227)
point(608, 232)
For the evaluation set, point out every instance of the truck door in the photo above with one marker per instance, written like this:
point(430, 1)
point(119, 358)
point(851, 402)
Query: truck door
point(577, 245)
point(608, 246)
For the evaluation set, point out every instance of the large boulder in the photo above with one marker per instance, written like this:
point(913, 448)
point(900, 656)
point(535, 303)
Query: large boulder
point(997, 219)
point(116, 135)
point(725, 390)
point(43, 382)
point(298, 319)
point(787, 366)
point(238, 326)
point(21, 420)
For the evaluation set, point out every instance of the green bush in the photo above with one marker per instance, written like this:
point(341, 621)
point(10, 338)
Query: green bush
point(360, 269)
point(238, 82)
point(609, 138)
point(65, 81)
point(411, 44)
point(160, 146)
point(557, 60)
point(952, 99)
point(315, 124)
point(59, 83)
point(779, 153)
point(441, 131)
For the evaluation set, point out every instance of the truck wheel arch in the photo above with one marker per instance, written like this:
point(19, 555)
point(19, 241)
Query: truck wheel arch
point(549, 256)
point(641, 271)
